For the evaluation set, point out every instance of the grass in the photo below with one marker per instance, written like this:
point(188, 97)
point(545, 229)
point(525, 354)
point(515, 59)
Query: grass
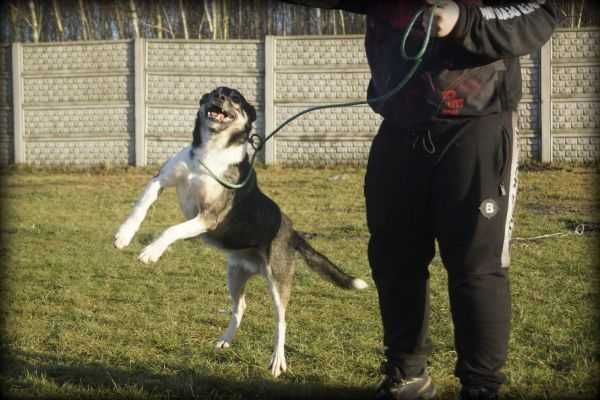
point(83, 320)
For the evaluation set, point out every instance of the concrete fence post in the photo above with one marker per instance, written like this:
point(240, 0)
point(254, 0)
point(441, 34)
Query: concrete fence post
point(270, 119)
point(546, 102)
point(140, 101)
point(18, 115)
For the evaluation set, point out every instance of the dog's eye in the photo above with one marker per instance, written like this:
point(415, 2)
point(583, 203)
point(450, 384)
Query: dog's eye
point(236, 98)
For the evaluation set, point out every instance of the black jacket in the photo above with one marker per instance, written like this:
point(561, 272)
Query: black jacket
point(473, 71)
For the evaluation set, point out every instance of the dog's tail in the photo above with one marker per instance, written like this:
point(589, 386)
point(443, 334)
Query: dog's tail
point(321, 265)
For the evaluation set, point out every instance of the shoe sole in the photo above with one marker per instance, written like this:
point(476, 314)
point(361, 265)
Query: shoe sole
point(429, 392)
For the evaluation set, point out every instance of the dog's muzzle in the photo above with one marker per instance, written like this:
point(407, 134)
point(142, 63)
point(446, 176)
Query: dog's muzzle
point(216, 113)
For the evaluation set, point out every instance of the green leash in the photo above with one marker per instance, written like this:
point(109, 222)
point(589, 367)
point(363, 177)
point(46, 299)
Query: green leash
point(258, 143)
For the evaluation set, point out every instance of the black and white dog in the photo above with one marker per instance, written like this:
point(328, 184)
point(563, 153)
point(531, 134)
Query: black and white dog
point(247, 225)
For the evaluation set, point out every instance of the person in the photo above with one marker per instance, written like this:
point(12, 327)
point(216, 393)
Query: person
point(443, 167)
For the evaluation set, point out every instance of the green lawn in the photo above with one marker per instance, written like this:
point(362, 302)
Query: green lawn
point(83, 320)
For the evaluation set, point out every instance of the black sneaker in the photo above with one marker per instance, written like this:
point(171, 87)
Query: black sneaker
point(396, 386)
point(477, 393)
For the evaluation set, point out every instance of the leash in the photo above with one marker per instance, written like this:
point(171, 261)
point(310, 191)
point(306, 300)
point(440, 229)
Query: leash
point(258, 143)
point(578, 230)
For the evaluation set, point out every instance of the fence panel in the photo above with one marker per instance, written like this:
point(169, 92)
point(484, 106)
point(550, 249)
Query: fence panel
point(529, 108)
point(6, 110)
point(307, 71)
point(576, 95)
point(77, 103)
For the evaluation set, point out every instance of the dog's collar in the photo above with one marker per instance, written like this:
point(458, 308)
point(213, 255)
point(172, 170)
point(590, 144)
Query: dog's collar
point(228, 185)
point(193, 156)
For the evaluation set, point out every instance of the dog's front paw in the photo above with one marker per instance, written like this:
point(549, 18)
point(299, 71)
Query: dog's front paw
point(152, 253)
point(278, 364)
point(123, 236)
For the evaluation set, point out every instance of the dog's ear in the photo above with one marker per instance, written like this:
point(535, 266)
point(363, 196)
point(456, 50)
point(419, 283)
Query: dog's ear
point(250, 112)
point(204, 99)
point(196, 135)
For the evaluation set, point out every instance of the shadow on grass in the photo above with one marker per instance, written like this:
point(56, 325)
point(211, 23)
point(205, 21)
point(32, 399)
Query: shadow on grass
point(30, 375)
point(43, 376)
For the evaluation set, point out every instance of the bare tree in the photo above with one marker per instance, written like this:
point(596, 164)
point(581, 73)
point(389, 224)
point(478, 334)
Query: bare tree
point(240, 18)
point(169, 24)
point(269, 17)
point(209, 18)
point(158, 20)
point(95, 18)
point(257, 21)
point(58, 19)
point(580, 14)
point(14, 20)
point(215, 20)
point(342, 23)
point(186, 34)
point(333, 21)
point(225, 18)
point(119, 22)
point(318, 21)
point(85, 26)
point(201, 25)
point(134, 19)
point(35, 25)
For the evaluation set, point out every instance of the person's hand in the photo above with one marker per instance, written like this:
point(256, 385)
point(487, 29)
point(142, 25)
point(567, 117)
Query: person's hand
point(445, 16)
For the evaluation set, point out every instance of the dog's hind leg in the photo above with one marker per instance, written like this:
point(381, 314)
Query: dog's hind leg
point(280, 292)
point(237, 276)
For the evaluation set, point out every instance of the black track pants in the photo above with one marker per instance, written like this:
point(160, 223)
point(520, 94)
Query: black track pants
point(454, 182)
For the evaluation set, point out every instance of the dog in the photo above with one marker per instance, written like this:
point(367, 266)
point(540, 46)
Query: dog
point(256, 236)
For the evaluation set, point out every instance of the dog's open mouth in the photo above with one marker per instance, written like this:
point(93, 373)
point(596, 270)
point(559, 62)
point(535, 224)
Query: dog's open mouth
point(216, 113)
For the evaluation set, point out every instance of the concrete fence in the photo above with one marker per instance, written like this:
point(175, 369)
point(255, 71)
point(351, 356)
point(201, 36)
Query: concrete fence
point(134, 102)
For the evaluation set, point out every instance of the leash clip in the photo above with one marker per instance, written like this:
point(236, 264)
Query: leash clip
point(256, 142)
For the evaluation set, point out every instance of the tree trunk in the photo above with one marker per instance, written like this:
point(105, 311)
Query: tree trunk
point(14, 20)
point(158, 20)
point(58, 19)
point(257, 21)
point(215, 19)
point(35, 27)
point(342, 23)
point(207, 13)
point(119, 22)
point(580, 14)
point(269, 21)
point(201, 25)
point(134, 19)
point(169, 24)
point(240, 22)
point(333, 21)
point(225, 18)
point(318, 21)
point(186, 34)
point(85, 32)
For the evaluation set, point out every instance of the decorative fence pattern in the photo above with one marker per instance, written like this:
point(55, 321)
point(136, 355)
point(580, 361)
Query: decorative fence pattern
point(73, 103)
point(308, 71)
point(134, 102)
